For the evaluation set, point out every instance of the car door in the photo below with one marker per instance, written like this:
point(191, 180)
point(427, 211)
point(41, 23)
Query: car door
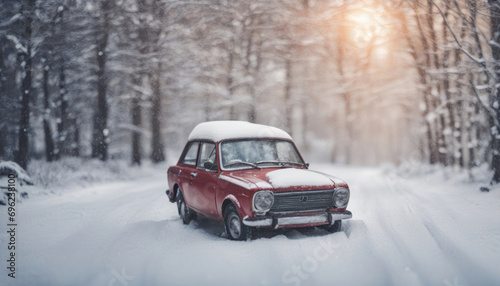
point(187, 169)
point(204, 179)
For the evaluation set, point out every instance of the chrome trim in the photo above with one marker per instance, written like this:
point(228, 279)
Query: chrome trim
point(257, 223)
point(340, 216)
point(327, 218)
point(322, 218)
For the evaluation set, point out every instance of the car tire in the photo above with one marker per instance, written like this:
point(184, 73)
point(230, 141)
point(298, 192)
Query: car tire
point(185, 213)
point(335, 227)
point(235, 228)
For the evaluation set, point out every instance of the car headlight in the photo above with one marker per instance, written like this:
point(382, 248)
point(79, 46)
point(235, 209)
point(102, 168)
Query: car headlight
point(263, 201)
point(341, 197)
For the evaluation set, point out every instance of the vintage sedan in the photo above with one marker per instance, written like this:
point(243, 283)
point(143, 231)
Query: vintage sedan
point(251, 176)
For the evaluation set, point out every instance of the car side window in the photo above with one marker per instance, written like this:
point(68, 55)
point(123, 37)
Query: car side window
point(207, 160)
point(189, 157)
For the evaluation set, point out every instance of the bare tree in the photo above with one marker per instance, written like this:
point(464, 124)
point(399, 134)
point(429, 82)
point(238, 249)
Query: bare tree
point(26, 64)
point(494, 101)
point(100, 132)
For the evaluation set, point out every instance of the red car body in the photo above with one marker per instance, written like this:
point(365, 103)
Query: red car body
point(209, 191)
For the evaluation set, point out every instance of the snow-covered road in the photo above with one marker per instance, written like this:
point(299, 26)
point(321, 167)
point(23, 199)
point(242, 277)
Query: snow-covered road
point(404, 232)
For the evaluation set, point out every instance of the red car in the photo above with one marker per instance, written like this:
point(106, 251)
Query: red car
point(252, 176)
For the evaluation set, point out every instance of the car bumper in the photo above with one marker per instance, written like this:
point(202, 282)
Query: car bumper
point(297, 220)
point(169, 195)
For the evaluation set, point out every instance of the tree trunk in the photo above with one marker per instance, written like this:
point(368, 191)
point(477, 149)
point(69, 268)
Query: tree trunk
point(75, 150)
point(49, 142)
point(288, 95)
point(63, 116)
point(3, 143)
point(230, 87)
point(252, 72)
point(136, 134)
point(441, 140)
point(3, 94)
point(346, 96)
point(157, 154)
point(305, 112)
point(462, 105)
point(450, 123)
point(26, 70)
point(100, 132)
point(472, 127)
point(430, 142)
point(495, 96)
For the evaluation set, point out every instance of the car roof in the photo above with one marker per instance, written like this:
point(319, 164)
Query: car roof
point(224, 130)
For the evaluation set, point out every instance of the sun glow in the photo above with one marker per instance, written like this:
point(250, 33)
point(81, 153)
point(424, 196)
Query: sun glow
point(366, 26)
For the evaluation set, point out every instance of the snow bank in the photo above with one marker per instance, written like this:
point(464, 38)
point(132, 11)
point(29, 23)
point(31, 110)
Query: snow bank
point(22, 178)
point(75, 174)
point(285, 178)
point(222, 130)
point(68, 175)
point(8, 167)
point(78, 171)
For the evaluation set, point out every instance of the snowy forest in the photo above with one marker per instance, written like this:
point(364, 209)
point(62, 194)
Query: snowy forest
point(356, 82)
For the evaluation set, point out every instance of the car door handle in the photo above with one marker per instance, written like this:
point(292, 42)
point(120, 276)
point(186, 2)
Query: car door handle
point(193, 175)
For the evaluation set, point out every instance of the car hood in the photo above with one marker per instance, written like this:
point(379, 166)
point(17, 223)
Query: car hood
point(282, 179)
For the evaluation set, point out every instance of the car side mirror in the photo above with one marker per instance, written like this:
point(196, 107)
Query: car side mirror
point(307, 165)
point(208, 165)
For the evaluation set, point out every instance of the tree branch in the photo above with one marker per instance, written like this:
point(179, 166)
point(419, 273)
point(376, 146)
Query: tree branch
point(491, 113)
point(480, 61)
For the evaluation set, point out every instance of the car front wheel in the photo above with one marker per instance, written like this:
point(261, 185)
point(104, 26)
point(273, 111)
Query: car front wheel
point(235, 228)
point(184, 212)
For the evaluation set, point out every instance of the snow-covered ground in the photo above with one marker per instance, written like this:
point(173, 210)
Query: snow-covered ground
point(405, 231)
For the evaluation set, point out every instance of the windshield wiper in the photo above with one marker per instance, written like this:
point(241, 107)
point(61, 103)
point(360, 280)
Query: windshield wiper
point(281, 163)
point(234, 162)
point(293, 163)
point(269, 162)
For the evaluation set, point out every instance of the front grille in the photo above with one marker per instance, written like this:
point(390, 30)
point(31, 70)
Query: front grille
point(302, 201)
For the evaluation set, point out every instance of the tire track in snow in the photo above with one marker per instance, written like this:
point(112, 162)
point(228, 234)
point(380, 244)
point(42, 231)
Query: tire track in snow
point(456, 256)
point(446, 230)
point(475, 274)
point(400, 235)
point(387, 219)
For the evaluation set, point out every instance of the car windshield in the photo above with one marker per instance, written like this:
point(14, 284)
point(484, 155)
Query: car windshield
point(258, 153)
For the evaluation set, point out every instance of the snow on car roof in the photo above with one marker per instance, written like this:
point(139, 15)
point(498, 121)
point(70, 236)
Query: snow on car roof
point(222, 130)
